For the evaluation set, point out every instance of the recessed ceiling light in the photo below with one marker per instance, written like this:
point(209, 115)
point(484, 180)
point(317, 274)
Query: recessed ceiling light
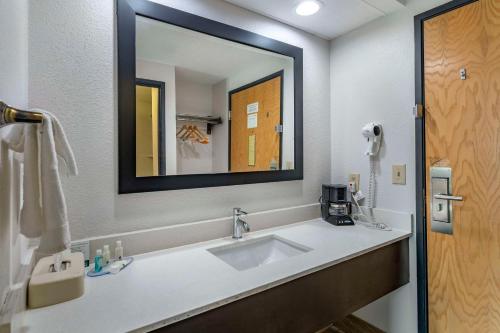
point(308, 7)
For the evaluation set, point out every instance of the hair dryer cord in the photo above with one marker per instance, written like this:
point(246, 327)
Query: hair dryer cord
point(371, 185)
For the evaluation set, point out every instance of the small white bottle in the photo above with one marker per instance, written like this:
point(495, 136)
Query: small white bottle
point(119, 250)
point(106, 255)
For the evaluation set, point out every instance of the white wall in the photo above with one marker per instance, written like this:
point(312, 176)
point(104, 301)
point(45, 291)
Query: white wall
point(193, 98)
point(73, 74)
point(14, 91)
point(372, 79)
point(220, 132)
point(14, 55)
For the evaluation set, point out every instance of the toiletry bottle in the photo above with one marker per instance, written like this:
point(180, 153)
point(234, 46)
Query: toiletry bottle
point(106, 255)
point(98, 261)
point(118, 250)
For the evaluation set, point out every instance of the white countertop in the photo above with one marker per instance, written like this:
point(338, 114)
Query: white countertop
point(167, 286)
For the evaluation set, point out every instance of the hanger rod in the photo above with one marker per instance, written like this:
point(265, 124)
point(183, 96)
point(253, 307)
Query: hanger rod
point(203, 119)
point(10, 115)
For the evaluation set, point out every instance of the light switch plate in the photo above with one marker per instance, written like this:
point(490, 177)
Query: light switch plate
point(354, 177)
point(399, 174)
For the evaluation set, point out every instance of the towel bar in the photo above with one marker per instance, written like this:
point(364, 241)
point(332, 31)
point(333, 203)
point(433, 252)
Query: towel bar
point(10, 115)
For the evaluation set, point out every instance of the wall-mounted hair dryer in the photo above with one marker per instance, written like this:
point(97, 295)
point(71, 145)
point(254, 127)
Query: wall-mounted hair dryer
point(373, 133)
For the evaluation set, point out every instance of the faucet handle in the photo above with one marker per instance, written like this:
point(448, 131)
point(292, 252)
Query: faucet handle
point(245, 226)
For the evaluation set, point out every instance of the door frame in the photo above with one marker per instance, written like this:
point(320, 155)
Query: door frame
point(421, 226)
point(281, 75)
point(161, 120)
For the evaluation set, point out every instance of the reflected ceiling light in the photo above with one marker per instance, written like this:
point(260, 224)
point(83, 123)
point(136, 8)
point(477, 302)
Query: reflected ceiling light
point(308, 7)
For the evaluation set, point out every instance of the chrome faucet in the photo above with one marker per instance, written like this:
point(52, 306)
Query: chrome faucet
point(239, 224)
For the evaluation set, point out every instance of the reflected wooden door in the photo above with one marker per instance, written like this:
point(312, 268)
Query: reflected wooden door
point(146, 123)
point(256, 110)
point(462, 131)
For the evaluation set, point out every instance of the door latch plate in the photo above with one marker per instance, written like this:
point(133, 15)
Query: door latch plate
point(441, 209)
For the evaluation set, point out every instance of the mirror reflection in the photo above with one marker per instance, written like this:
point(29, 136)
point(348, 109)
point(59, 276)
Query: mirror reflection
point(207, 105)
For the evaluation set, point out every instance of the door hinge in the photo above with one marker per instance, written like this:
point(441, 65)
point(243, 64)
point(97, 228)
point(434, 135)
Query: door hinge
point(279, 128)
point(229, 115)
point(418, 111)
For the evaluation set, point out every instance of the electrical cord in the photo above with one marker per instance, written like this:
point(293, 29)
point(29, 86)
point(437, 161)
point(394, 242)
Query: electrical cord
point(371, 185)
point(372, 224)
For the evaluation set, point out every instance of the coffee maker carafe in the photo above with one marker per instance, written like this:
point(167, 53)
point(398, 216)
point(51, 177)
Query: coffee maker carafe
point(335, 208)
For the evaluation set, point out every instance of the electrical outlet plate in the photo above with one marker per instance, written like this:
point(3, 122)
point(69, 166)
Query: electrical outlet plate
point(354, 178)
point(352, 187)
point(399, 174)
point(83, 247)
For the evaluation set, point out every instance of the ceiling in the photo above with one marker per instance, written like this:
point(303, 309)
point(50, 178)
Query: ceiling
point(197, 56)
point(335, 18)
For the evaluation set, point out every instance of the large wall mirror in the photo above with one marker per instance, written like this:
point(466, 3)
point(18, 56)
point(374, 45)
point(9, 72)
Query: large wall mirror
point(202, 103)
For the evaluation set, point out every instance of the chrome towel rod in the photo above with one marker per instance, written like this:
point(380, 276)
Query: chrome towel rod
point(10, 115)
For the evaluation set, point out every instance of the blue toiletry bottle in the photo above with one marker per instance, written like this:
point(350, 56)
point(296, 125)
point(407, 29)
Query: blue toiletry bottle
point(98, 261)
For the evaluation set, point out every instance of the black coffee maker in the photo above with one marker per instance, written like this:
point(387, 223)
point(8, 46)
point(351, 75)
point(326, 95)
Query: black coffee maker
point(335, 206)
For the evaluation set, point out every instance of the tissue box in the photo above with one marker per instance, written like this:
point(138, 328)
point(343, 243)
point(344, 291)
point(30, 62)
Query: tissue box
point(47, 287)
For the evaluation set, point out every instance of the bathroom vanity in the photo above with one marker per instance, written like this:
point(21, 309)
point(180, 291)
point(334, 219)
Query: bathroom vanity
point(314, 274)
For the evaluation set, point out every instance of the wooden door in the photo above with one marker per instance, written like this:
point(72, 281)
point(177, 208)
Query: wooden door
point(261, 100)
point(462, 131)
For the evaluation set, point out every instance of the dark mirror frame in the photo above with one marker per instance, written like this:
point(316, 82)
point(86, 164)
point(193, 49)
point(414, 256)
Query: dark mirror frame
point(126, 21)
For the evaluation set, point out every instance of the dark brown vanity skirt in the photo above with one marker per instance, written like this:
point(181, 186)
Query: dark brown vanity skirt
point(312, 302)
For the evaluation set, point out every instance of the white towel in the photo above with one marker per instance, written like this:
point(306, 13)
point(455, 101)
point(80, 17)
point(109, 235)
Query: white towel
point(44, 212)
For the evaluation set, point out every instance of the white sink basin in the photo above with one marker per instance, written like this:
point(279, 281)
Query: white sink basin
point(257, 252)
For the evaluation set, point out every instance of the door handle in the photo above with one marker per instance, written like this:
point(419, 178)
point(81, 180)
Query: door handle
point(448, 197)
point(442, 200)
